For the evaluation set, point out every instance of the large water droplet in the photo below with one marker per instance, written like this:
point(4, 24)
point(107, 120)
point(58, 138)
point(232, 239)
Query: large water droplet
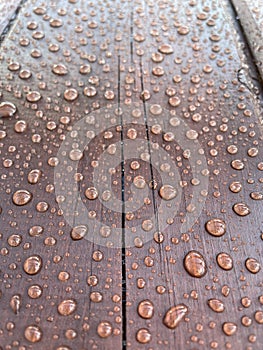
point(104, 329)
point(229, 328)
point(216, 305)
point(33, 334)
point(7, 109)
point(167, 192)
point(22, 197)
point(146, 309)
point(225, 261)
point(33, 264)
point(216, 227)
point(143, 336)
point(241, 209)
point(34, 176)
point(195, 264)
point(67, 307)
point(252, 265)
point(174, 315)
point(78, 232)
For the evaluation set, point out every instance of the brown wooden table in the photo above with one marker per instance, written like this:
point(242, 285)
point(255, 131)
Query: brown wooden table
point(131, 180)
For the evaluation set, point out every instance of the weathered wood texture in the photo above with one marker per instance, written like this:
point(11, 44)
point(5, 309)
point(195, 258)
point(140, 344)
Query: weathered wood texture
point(7, 10)
point(250, 14)
point(158, 101)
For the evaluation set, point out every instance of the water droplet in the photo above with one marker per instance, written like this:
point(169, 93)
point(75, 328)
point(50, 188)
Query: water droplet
point(33, 264)
point(143, 336)
point(229, 328)
point(33, 96)
point(104, 329)
point(7, 109)
point(33, 334)
point(183, 30)
point(235, 187)
point(216, 227)
point(158, 71)
point(174, 101)
point(225, 261)
point(167, 192)
point(34, 291)
point(35, 231)
point(166, 49)
point(195, 264)
point(34, 176)
point(146, 309)
point(257, 196)
point(96, 297)
point(78, 232)
point(259, 317)
point(237, 164)
point(246, 301)
point(90, 91)
point(252, 265)
point(67, 307)
point(59, 69)
point(174, 315)
point(139, 182)
point(20, 126)
point(241, 209)
point(71, 94)
point(91, 193)
point(246, 321)
point(225, 291)
point(15, 303)
point(216, 305)
point(14, 240)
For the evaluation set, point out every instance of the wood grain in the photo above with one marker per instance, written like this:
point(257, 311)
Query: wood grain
point(118, 42)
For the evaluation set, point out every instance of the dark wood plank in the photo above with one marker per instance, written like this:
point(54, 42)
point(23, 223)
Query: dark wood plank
point(86, 271)
point(155, 268)
point(251, 17)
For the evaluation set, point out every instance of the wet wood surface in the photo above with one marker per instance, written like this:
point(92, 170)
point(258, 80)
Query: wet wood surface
point(140, 226)
point(7, 10)
point(250, 14)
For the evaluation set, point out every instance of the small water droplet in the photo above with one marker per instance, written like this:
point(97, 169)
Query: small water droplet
point(15, 303)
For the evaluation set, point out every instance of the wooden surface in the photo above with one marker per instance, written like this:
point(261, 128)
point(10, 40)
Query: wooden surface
point(7, 10)
point(250, 15)
point(191, 121)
